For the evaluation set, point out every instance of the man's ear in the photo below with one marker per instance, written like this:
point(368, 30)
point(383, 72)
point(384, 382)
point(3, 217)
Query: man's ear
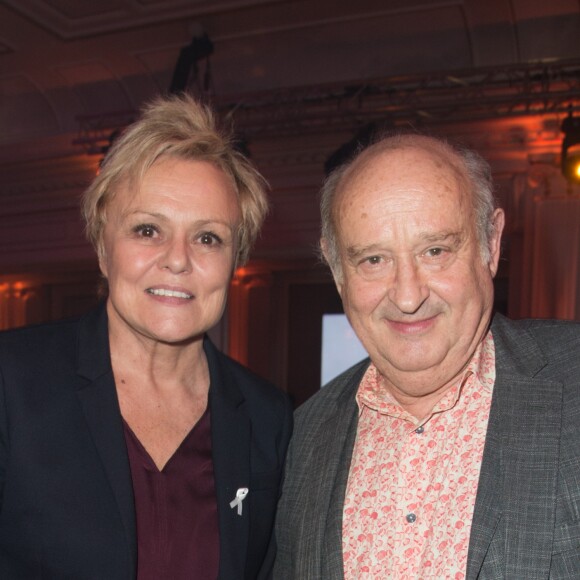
point(335, 268)
point(495, 241)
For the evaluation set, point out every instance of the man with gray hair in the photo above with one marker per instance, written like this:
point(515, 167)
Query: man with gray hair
point(454, 450)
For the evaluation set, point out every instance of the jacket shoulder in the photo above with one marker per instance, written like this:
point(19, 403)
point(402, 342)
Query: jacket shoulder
point(557, 342)
point(41, 342)
point(339, 390)
point(551, 333)
point(247, 378)
point(264, 400)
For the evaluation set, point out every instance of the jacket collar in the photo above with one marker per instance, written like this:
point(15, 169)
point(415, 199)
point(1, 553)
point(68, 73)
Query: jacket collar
point(522, 446)
point(230, 427)
point(231, 437)
point(94, 358)
point(332, 452)
point(98, 398)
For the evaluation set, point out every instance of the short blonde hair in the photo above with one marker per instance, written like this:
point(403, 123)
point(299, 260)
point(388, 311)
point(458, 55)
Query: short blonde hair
point(180, 127)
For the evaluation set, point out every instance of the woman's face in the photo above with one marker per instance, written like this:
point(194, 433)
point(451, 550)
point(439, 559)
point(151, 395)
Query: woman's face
point(169, 251)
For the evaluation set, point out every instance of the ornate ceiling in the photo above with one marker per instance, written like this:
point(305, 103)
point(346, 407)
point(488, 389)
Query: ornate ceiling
point(64, 60)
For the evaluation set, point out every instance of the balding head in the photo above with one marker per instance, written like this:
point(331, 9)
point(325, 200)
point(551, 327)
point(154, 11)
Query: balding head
point(469, 166)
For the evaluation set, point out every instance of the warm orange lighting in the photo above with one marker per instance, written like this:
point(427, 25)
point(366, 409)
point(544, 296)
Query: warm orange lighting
point(571, 148)
point(571, 164)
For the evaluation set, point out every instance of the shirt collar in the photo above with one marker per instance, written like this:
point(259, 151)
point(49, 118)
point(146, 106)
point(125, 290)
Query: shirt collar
point(373, 394)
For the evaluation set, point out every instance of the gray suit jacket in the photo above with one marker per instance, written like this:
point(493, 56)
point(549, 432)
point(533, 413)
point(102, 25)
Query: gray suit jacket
point(526, 523)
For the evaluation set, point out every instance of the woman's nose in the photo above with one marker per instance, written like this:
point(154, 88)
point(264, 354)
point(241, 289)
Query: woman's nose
point(176, 257)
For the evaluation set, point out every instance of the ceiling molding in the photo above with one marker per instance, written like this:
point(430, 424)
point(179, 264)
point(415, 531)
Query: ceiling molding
point(76, 19)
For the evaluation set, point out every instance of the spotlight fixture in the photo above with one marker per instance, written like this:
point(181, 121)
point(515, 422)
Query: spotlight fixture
point(571, 148)
point(188, 64)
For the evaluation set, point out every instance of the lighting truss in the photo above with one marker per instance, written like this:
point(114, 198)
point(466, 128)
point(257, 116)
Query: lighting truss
point(467, 95)
point(431, 98)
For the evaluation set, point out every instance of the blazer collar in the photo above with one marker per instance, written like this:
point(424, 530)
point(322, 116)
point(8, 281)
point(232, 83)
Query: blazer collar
point(519, 467)
point(519, 352)
point(230, 426)
point(94, 358)
point(231, 437)
point(98, 398)
point(332, 453)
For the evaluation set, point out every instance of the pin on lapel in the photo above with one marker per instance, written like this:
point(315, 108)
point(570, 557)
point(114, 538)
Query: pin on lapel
point(240, 496)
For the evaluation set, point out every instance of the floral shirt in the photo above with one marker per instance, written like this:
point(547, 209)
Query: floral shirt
point(412, 484)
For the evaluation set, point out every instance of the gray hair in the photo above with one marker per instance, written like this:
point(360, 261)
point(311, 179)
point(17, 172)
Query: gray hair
point(474, 168)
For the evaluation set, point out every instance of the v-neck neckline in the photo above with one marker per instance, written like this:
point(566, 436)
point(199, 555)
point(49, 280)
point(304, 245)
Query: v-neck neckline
point(146, 456)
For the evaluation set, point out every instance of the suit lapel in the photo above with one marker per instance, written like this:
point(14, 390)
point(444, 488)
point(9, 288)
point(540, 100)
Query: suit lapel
point(333, 453)
point(231, 435)
point(520, 466)
point(98, 398)
point(343, 443)
point(487, 509)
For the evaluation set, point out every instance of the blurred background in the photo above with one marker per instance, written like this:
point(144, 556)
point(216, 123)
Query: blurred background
point(300, 79)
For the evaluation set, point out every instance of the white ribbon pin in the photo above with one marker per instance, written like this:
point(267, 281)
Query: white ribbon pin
point(240, 496)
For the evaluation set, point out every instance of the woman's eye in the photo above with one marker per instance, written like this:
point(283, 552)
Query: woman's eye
point(146, 230)
point(208, 239)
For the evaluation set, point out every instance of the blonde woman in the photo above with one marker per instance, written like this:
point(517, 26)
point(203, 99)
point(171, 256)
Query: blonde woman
point(130, 447)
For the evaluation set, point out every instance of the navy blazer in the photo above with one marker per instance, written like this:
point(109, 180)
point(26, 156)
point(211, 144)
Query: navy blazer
point(67, 509)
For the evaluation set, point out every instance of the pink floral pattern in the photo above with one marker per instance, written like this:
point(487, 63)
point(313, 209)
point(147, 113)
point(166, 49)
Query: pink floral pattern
point(410, 495)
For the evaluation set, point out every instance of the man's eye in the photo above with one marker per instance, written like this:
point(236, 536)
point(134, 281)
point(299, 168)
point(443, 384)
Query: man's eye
point(146, 230)
point(373, 260)
point(434, 252)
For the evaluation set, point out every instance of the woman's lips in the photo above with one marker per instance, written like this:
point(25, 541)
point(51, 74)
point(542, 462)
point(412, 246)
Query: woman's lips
point(170, 293)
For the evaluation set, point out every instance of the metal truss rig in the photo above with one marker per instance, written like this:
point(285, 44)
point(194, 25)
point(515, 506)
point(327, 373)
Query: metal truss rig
point(460, 95)
point(423, 99)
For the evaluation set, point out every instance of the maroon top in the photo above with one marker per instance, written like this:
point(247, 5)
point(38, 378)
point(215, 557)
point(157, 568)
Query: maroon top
point(176, 509)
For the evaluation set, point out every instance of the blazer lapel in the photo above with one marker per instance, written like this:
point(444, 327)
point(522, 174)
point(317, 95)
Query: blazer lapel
point(333, 454)
point(520, 466)
point(231, 433)
point(343, 443)
point(98, 399)
point(487, 509)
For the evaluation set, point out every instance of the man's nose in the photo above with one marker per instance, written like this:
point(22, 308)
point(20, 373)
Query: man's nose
point(409, 290)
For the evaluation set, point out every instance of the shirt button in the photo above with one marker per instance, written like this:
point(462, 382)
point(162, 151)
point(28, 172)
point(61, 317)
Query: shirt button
point(411, 518)
point(420, 429)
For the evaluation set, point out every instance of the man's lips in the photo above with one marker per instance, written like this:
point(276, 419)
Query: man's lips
point(412, 327)
point(169, 293)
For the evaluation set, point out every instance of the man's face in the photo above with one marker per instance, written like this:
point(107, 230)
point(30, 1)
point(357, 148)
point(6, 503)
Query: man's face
point(413, 282)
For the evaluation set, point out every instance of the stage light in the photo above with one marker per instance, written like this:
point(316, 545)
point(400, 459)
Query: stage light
point(571, 148)
point(190, 57)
